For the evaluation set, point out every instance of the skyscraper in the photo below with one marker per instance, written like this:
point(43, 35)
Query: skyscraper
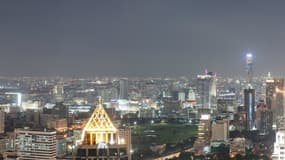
point(274, 96)
point(206, 88)
point(279, 83)
point(263, 118)
point(249, 103)
point(249, 67)
point(123, 89)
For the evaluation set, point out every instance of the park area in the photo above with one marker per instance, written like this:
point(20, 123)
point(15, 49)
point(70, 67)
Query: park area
point(168, 134)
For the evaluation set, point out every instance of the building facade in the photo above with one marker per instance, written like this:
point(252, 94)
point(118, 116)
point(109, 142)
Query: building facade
point(249, 103)
point(206, 88)
point(279, 146)
point(35, 145)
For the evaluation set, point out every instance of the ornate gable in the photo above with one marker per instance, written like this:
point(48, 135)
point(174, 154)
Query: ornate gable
point(99, 120)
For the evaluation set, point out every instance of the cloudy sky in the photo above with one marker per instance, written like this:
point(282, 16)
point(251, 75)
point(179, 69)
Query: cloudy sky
point(140, 38)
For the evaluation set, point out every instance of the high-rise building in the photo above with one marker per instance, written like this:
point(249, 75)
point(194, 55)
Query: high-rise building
point(123, 89)
point(279, 83)
point(249, 70)
point(35, 145)
point(279, 146)
point(102, 140)
point(206, 88)
point(263, 118)
point(58, 93)
point(220, 130)
point(249, 103)
point(204, 133)
point(270, 93)
point(274, 96)
point(2, 120)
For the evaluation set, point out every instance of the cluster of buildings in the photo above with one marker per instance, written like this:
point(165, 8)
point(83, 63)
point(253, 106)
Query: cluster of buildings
point(50, 118)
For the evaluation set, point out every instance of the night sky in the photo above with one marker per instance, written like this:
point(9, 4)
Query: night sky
point(140, 38)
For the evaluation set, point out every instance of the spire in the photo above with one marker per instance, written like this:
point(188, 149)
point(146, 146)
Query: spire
point(100, 101)
point(99, 120)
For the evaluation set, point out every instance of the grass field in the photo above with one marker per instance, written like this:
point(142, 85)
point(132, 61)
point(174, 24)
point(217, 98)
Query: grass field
point(147, 134)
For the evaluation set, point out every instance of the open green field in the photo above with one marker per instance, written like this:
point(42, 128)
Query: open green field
point(162, 133)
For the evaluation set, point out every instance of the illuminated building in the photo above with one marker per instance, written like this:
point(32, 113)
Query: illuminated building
point(263, 118)
point(226, 102)
point(58, 93)
point(249, 103)
point(274, 98)
point(102, 140)
point(204, 133)
point(279, 146)
point(35, 145)
point(206, 88)
point(237, 146)
point(249, 69)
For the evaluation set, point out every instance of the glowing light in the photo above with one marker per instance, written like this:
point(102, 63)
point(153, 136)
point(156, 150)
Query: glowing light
point(248, 55)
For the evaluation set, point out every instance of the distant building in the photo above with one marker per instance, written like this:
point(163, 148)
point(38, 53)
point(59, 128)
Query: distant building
point(2, 120)
point(279, 146)
point(263, 118)
point(123, 89)
point(220, 130)
point(249, 103)
point(206, 88)
point(274, 96)
point(35, 145)
point(58, 93)
point(181, 96)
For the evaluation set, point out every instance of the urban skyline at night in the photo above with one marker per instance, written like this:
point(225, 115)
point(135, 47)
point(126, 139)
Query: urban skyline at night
point(142, 80)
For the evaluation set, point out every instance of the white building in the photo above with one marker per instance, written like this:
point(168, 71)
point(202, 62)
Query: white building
point(206, 88)
point(35, 145)
point(279, 146)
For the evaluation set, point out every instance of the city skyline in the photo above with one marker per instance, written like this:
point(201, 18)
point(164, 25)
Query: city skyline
point(145, 38)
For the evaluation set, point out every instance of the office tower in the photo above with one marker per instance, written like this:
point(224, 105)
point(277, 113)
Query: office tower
point(279, 146)
point(123, 89)
point(102, 140)
point(204, 132)
point(279, 83)
point(35, 145)
point(206, 88)
point(226, 102)
point(274, 96)
point(2, 120)
point(220, 130)
point(58, 93)
point(249, 103)
point(270, 93)
point(249, 69)
point(263, 118)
